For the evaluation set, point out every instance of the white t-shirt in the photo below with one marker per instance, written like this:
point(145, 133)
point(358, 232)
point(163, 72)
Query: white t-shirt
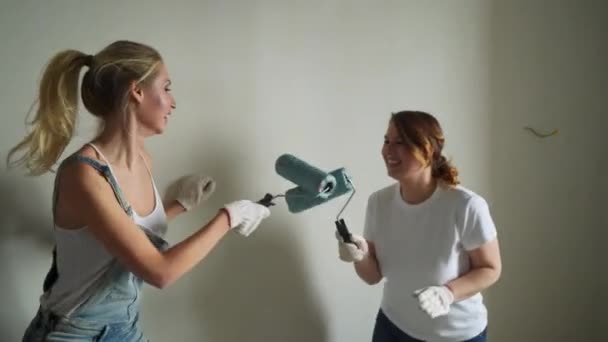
point(423, 245)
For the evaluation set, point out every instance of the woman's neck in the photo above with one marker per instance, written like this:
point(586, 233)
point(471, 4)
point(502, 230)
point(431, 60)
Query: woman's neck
point(120, 146)
point(416, 190)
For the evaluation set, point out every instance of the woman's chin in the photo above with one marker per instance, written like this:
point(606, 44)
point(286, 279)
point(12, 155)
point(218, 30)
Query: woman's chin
point(152, 131)
point(393, 173)
point(160, 128)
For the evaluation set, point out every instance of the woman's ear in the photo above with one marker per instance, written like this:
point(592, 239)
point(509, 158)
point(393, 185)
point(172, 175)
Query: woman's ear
point(136, 92)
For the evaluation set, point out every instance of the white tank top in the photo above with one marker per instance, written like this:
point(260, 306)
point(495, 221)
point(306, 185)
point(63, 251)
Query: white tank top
point(82, 260)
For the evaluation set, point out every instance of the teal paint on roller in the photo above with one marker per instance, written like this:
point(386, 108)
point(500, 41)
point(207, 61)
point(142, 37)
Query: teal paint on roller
point(315, 187)
point(308, 178)
point(298, 199)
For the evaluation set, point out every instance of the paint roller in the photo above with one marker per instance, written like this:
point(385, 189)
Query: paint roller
point(314, 187)
point(309, 179)
point(298, 199)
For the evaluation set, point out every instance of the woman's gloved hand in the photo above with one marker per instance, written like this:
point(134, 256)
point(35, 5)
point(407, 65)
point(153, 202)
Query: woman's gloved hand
point(435, 300)
point(352, 252)
point(245, 216)
point(191, 190)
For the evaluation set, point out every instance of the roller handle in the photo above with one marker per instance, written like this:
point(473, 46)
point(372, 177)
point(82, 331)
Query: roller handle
point(267, 200)
point(343, 231)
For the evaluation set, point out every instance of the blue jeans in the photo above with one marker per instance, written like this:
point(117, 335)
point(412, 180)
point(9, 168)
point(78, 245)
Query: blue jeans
point(111, 312)
point(50, 328)
point(386, 331)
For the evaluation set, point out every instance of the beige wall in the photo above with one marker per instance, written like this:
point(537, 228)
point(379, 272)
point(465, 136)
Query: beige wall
point(602, 268)
point(318, 79)
point(548, 72)
point(254, 80)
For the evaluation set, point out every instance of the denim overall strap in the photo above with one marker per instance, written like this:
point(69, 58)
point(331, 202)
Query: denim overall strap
point(115, 303)
point(118, 282)
point(112, 311)
point(104, 170)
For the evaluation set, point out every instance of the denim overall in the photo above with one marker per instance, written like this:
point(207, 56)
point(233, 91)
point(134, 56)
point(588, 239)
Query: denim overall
point(112, 312)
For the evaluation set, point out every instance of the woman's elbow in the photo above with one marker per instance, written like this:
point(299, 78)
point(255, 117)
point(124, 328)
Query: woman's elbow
point(493, 274)
point(497, 273)
point(159, 277)
point(372, 280)
point(160, 281)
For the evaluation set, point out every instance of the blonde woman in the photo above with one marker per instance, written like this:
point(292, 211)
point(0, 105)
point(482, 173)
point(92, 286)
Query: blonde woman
point(431, 239)
point(109, 219)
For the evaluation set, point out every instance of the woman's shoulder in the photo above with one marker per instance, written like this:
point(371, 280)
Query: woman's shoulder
point(462, 196)
point(85, 152)
point(385, 194)
point(81, 166)
point(78, 185)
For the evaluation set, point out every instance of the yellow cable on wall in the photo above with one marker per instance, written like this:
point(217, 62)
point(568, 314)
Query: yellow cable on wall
point(542, 135)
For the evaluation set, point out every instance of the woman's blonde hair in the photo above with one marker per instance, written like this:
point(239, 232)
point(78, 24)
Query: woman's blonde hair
point(423, 136)
point(104, 91)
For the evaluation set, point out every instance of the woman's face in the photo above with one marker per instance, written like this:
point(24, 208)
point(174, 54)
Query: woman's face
point(156, 104)
point(400, 162)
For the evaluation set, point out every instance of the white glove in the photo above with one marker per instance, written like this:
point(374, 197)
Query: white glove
point(352, 252)
point(246, 216)
point(191, 190)
point(435, 300)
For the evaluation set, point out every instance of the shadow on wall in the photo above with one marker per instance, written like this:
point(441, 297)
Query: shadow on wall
point(260, 291)
point(25, 235)
point(248, 289)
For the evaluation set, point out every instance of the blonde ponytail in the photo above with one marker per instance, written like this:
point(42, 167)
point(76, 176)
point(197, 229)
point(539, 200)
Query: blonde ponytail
point(104, 90)
point(53, 127)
